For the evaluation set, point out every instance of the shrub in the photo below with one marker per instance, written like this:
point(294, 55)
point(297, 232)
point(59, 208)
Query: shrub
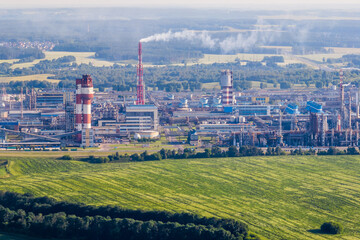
point(252, 236)
point(66, 157)
point(331, 228)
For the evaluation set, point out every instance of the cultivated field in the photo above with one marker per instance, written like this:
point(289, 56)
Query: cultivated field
point(279, 197)
point(211, 85)
point(218, 58)
point(81, 57)
point(288, 57)
point(39, 77)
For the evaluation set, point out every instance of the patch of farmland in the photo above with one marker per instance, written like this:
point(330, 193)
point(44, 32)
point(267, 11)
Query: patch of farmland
point(279, 197)
point(39, 77)
point(81, 57)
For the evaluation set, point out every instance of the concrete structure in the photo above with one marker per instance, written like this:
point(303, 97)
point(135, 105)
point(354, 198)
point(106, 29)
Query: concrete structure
point(147, 135)
point(253, 110)
point(25, 114)
point(87, 93)
point(260, 99)
point(84, 96)
point(69, 113)
point(224, 127)
point(141, 117)
point(226, 83)
point(140, 89)
point(87, 137)
point(49, 100)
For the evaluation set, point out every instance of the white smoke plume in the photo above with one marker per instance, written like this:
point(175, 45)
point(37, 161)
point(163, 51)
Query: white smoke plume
point(262, 35)
point(187, 35)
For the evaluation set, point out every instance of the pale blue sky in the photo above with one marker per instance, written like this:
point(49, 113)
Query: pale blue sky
point(181, 3)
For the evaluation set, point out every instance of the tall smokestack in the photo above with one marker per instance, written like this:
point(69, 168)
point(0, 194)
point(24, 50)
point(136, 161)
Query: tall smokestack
point(140, 92)
point(87, 93)
point(78, 108)
point(226, 82)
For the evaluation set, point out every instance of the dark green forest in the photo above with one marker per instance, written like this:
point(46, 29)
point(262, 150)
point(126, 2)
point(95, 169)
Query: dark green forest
point(45, 217)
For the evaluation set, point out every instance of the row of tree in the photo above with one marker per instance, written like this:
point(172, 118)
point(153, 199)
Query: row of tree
point(214, 152)
point(45, 217)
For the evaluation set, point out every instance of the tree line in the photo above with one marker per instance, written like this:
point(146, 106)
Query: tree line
point(214, 152)
point(45, 217)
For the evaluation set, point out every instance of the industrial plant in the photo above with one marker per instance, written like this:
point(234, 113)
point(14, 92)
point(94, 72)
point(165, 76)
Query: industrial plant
point(86, 117)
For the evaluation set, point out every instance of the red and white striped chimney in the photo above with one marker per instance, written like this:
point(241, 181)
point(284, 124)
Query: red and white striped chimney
point(87, 91)
point(226, 83)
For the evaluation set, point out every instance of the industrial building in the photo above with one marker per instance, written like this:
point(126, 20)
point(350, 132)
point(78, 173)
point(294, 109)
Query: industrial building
point(140, 118)
point(258, 117)
point(49, 100)
point(253, 110)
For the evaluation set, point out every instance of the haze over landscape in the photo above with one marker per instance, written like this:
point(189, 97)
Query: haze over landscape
point(185, 120)
point(281, 4)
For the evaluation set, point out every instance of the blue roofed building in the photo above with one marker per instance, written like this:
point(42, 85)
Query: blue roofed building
point(314, 107)
point(292, 109)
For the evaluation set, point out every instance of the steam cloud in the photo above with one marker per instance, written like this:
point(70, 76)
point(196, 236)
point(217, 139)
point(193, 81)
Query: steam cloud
point(188, 35)
point(244, 41)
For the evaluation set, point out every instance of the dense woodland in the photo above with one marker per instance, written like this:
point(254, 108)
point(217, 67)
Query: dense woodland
point(24, 54)
point(45, 217)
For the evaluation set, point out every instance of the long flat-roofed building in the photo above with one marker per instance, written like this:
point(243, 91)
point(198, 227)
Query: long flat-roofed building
point(50, 100)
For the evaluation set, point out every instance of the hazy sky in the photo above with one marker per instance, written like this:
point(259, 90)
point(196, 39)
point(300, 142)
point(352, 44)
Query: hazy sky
point(179, 3)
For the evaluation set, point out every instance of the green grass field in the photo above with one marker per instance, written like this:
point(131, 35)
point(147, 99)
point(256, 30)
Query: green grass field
point(279, 197)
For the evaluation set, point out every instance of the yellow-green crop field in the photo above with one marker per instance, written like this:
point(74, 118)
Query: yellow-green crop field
point(81, 57)
point(8, 60)
point(211, 85)
point(39, 77)
point(218, 58)
point(288, 57)
point(285, 197)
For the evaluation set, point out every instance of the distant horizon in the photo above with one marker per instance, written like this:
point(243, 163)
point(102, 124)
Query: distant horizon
point(188, 4)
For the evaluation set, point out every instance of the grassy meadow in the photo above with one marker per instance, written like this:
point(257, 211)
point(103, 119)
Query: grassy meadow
point(285, 197)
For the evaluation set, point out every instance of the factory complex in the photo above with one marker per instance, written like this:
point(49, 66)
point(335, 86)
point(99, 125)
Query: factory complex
point(82, 117)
